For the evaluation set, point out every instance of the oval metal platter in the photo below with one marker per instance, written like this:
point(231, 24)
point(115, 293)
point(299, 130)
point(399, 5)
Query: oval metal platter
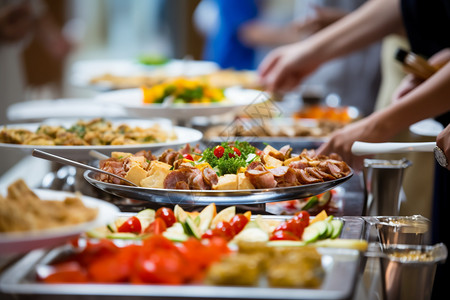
point(219, 197)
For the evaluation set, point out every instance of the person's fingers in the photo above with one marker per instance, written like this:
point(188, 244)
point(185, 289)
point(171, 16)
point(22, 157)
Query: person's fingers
point(268, 64)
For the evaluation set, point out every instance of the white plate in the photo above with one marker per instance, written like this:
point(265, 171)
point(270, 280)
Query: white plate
point(26, 241)
point(83, 71)
point(427, 127)
point(131, 101)
point(184, 136)
point(37, 110)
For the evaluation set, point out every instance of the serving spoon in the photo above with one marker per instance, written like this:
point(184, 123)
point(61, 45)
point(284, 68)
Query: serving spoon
point(363, 148)
point(66, 161)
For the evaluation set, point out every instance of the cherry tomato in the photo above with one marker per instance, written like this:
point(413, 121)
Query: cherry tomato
point(65, 272)
point(290, 226)
point(258, 152)
point(236, 151)
point(283, 235)
point(226, 229)
point(167, 215)
point(131, 225)
point(158, 226)
point(303, 216)
point(218, 151)
point(188, 156)
point(238, 222)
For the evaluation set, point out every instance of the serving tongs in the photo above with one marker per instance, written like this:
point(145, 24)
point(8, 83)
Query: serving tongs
point(66, 161)
point(363, 148)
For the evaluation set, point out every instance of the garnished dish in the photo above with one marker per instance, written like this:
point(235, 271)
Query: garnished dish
point(95, 132)
point(228, 166)
point(206, 247)
point(183, 91)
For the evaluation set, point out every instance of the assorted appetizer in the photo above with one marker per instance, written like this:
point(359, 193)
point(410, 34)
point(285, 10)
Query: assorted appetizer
point(228, 166)
point(207, 247)
point(179, 225)
point(96, 132)
point(184, 91)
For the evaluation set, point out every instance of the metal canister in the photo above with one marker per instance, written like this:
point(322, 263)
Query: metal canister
point(383, 181)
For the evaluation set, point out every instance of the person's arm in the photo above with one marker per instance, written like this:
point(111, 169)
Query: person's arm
point(429, 99)
point(286, 66)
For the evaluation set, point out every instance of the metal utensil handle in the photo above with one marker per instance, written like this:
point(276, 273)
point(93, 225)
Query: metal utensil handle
point(66, 161)
point(362, 148)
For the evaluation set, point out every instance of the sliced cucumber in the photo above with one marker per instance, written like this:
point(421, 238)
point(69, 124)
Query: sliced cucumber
point(206, 216)
point(176, 228)
point(98, 233)
point(286, 243)
point(175, 236)
point(124, 236)
point(311, 234)
point(337, 228)
point(311, 203)
point(111, 227)
point(146, 216)
point(192, 228)
point(180, 214)
point(324, 198)
point(253, 234)
point(119, 221)
point(323, 228)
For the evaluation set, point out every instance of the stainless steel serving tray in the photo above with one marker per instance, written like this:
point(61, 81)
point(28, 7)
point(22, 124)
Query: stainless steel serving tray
point(255, 196)
point(341, 271)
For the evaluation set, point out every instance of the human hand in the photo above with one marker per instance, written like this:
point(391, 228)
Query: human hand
point(341, 141)
point(285, 67)
point(443, 142)
point(410, 82)
point(16, 21)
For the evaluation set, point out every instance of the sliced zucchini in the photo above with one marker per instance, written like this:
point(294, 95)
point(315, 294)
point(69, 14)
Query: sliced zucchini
point(180, 213)
point(206, 216)
point(119, 221)
point(98, 233)
point(337, 228)
point(111, 227)
point(175, 236)
point(322, 226)
point(252, 234)
point(176, 228)
point(311, 234)
point(324, 198)
point(192, 228)
point(146, 216)
point(311, 203)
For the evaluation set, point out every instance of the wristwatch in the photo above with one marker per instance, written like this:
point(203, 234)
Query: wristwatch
point(440, 157)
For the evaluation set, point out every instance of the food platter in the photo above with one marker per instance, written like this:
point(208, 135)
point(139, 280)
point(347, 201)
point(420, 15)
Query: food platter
point(83, 72)
point(341, 268)
point(234, 197)
point(131, 101)
point(184, 135)
point(26, 241)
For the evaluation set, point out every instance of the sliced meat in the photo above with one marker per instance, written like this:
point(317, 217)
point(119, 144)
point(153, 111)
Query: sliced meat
point(304, 177)
point(147, 154)
point(209, 176)
point(299, 164)
point(169, 156)
point(256, 165)
point(284, 176)
point(261, 179)
point(114, 166)
point(313, 172)
point(335, 168)
point(186, 149)
point(286, 151)
point(192, 178)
